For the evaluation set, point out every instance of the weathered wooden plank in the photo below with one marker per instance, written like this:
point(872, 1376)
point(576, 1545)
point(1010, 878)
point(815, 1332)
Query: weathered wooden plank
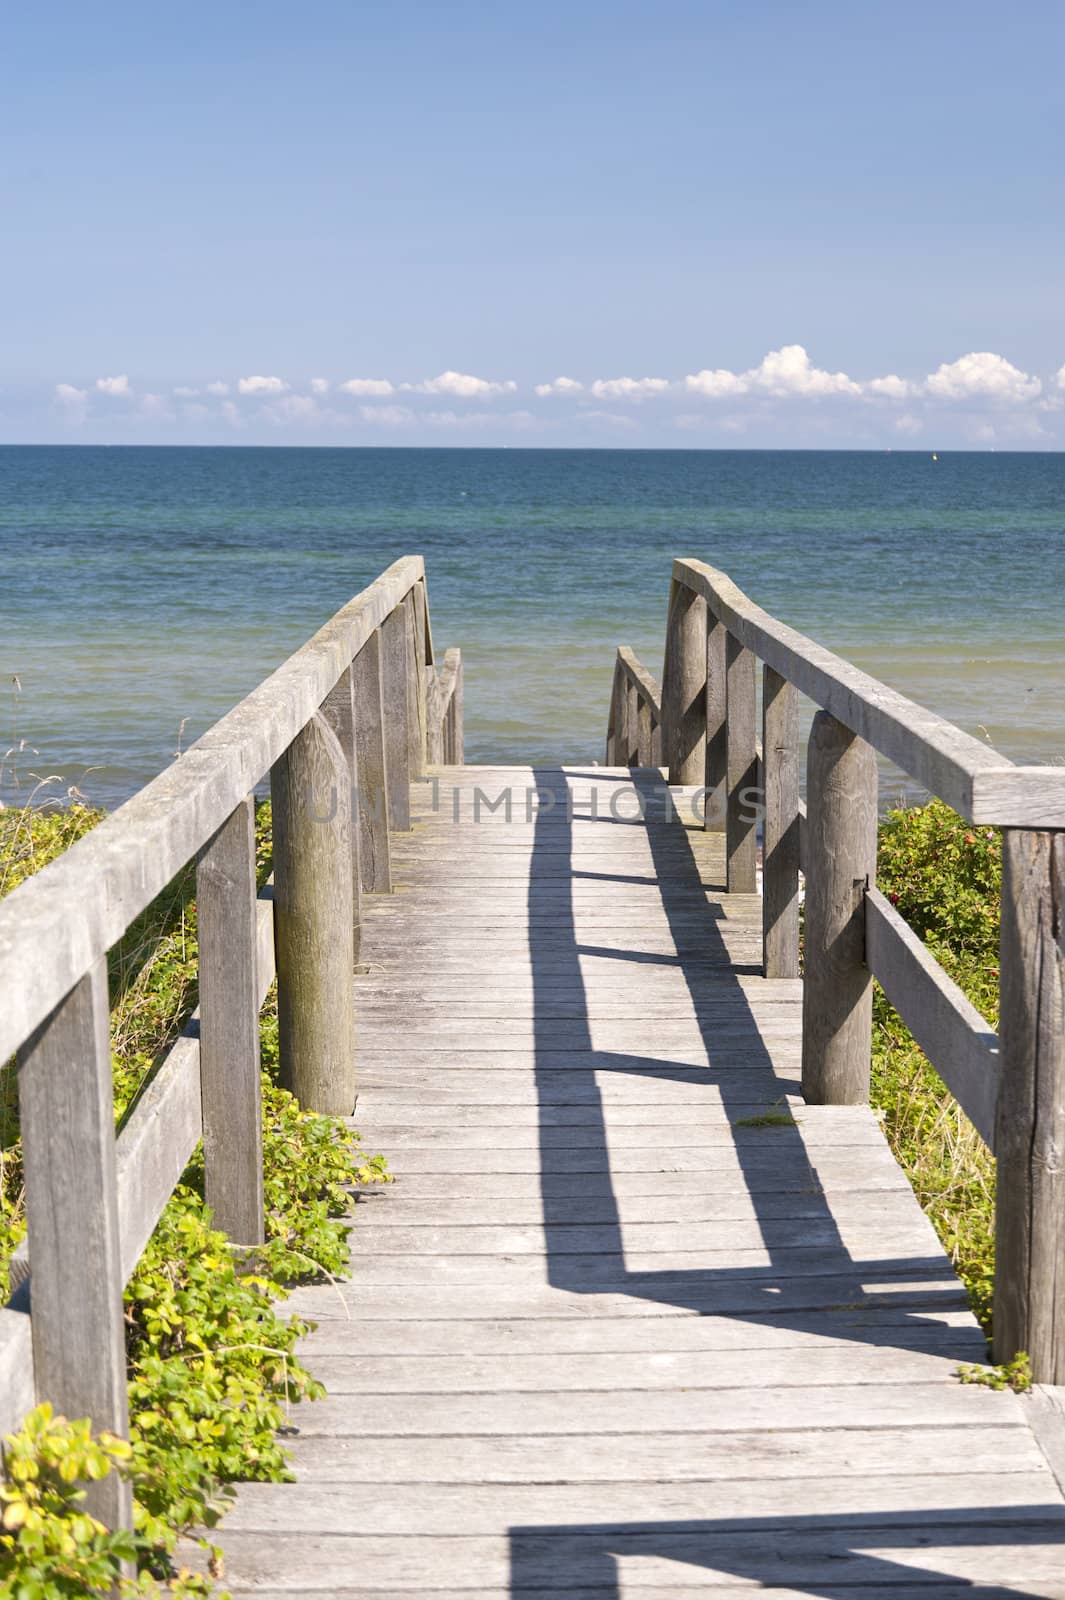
point(841, 863)
point(420, 653)
point(653, 1461)
point(780, 844)
point(702, 1411)
point(155, 1144)
point(371, 760)
point(1030, 1127)
point(395, 661)
point(67, 1120)
point(313, 920)
point(227, 930)
point(56, 924)
point(716, 773)
point(951, 1032)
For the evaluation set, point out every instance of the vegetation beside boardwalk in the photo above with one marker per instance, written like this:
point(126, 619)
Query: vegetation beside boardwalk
point(944, 876)
point(212, 1368)
point(211, 1358)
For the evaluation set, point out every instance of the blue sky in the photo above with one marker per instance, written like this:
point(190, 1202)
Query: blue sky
point(745, 223)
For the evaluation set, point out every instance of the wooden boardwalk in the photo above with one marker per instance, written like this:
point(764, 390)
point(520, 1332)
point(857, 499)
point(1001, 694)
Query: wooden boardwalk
point(612, 1332)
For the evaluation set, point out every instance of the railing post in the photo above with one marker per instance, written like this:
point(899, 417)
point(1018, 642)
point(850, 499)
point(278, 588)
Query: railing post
point(741, 818)
point(375, 863)
point(68, 1141)
point(632, 720)
point(780, 828)
point(716, 774)
point(457, 732)
point(841, 796)
point(311, 794)
point(230, 1090)
point(612, 719)
point(338, 709)
point(414, 606)
point(434, 719)
point(395, 659)
point(621, 720)
point(684, 687)
point(643, 732)
point(1029, 1308)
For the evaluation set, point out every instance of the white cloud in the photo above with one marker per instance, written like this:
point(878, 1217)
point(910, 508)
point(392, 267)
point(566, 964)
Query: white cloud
point(889, 388)
point(387, 416)
point(260, 385)
point(559, 386)
point(67, 395)
point(116, 386)
point(460, 384)
point(1059, 378)
point(517, 420)
point(367, 386)
point(981, 375)
point(319, 385)
point(788, 371)
point(783, 373)
point(184, 393)
point(716, 383)
point(628, 388)
point(218, 387)
point(612, 419)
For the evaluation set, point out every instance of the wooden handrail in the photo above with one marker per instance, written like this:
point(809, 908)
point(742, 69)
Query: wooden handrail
point(975, 780)
point(56, 924)
point(634, 726)
point(341, 728)
point(1012, 1087)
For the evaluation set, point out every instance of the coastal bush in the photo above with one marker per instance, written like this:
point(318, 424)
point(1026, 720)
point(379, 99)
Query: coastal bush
point(212, 1363)
point(944, 877)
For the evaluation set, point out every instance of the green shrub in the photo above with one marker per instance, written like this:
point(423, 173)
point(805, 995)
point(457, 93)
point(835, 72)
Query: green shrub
point(212, 1363)
point(944, 877)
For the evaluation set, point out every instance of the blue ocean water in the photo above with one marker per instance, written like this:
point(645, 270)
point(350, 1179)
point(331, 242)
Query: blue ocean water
point(145, 590)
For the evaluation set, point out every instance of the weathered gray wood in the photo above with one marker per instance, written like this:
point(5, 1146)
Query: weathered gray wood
point(16, 1366)
point(684, 686)
point(780, 827)
point(371, 759)
point(155, 1144)
point(434, 719)
point(613, 732)
point(420, 655)
point(338, 709)
point(395, 660)
point(68, 1142)
point(716, 775)
point(742, 799)
point(458, 735)
point(313, 920)
point(1030, 1130)
point(947, 1026)
point(633, 668)
point(56, 924)
point(227, 929)
point(415, 683)
point(632, 718)
point(841, 790)
point(961, 769)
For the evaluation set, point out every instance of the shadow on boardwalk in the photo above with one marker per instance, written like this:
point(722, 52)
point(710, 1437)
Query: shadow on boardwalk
point(880, 1302)
point(817, 1277)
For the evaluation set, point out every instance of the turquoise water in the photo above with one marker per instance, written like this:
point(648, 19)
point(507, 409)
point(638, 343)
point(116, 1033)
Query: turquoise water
point(146, 590)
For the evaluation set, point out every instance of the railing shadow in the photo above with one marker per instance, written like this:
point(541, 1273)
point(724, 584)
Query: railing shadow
point(878, 1302)
point(830, 1557)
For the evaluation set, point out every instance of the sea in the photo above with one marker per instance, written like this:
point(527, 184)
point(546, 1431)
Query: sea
point(145, 591)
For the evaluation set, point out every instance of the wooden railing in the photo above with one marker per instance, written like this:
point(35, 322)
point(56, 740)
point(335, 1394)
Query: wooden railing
point(342, 728)
point(1012, 1086)
point(634, 730)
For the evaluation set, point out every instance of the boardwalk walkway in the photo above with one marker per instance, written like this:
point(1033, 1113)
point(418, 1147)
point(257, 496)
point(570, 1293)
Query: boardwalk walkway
point(612, 1332)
